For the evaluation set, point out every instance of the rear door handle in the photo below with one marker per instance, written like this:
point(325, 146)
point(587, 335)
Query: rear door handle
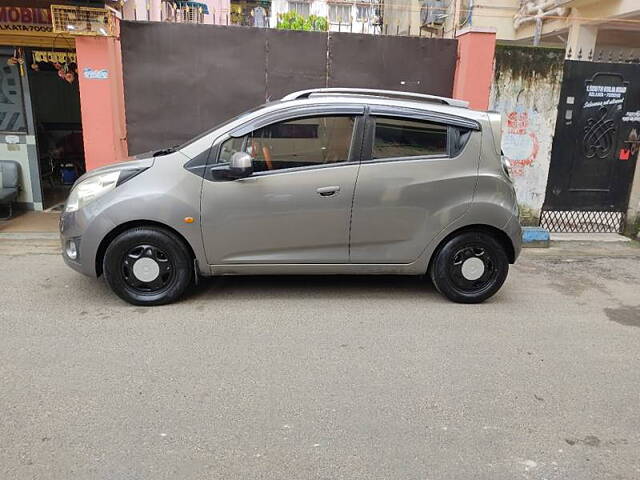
point(328, 191)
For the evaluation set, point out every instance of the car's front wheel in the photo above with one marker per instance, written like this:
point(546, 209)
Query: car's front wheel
point(470, 267)
point(148, 266)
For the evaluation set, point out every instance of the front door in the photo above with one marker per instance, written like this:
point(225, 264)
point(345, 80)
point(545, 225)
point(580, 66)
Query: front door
point(296, 207)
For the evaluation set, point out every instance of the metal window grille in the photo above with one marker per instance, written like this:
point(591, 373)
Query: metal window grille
point(76, 20)
point(582, 221)
point(172, 12)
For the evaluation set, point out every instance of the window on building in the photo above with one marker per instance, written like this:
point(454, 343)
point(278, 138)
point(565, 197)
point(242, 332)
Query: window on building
point(294, 143)
point(192, 14)
point(301, 8)
point(363, 13)
point(396, 138)
point(182, 13)
point(340, 13)
point(12, 117)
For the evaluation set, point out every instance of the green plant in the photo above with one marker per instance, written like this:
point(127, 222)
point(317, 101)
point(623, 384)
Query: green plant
point(295, 21)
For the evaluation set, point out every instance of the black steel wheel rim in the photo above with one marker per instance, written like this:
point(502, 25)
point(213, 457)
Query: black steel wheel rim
point(165, 268)
point(458, 259)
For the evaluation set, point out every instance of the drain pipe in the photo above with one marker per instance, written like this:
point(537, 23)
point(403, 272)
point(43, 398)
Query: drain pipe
point(537, 12)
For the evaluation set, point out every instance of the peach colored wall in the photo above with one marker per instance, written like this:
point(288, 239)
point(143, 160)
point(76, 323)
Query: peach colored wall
point(474, 72)
point(102, 101)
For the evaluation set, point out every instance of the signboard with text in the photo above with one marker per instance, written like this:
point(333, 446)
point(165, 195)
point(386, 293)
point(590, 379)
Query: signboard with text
point(25, 20)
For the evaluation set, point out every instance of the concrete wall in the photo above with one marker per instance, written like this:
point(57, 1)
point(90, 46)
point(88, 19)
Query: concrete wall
point(476, 49)
point(526, 90)
point(101, 100)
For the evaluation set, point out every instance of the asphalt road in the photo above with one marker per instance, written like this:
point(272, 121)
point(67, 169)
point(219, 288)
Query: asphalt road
point(309, 378)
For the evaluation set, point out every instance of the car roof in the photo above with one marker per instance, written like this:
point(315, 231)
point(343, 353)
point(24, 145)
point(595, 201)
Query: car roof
point(384, 98)
point(376, 93)
point(389, 100)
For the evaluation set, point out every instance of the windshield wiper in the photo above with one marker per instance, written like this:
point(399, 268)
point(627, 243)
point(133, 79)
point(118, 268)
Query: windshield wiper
point(165, 151)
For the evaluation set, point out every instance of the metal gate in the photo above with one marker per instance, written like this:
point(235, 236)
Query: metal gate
point(183, 79)
point(595, 148)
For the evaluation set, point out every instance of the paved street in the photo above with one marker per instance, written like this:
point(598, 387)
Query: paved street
point(296, 378)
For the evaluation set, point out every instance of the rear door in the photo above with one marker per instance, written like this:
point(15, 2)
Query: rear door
point(417, 175)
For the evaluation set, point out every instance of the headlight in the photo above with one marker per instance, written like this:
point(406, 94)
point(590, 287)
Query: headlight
point(88, 190)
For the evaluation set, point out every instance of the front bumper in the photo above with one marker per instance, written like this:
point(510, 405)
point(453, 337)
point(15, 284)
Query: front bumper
point(87, 231)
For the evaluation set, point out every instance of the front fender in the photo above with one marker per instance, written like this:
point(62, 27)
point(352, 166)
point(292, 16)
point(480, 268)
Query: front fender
point(165, 194)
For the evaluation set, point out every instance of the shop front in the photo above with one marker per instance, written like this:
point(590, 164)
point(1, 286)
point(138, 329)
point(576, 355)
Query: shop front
point(40, 121)
point(42, 124)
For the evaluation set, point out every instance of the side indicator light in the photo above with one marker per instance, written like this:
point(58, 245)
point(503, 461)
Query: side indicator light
point(189, 220)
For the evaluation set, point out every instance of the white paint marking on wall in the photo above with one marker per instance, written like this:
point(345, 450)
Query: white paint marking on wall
point(92, 74)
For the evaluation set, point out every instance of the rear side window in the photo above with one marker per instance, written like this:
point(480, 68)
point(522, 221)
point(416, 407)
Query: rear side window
point(397, 138)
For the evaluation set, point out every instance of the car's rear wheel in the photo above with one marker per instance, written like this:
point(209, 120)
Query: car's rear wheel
point(470, 267)
point(148, 266)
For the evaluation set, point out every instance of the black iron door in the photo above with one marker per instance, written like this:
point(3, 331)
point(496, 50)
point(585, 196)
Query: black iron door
point(595, 147)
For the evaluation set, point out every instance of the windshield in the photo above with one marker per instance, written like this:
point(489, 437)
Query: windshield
point(231, 120)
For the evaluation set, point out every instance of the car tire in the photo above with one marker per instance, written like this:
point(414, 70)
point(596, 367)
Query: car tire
point(470, 267)
point(148, 266)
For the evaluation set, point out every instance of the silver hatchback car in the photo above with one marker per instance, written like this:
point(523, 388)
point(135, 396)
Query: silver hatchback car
point(324, 181)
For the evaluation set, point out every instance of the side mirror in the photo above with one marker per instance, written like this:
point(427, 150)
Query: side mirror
point(240, 165)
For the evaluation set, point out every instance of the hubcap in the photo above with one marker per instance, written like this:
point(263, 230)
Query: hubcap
point(147, 269)
point(472, 268)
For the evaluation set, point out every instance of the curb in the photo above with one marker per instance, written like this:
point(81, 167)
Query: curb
point(535, 237)
point(29, 236)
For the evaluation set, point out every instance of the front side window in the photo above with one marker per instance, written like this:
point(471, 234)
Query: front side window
point(295, 143)
point(339, 13)
point(397, 138)
point(301, 8)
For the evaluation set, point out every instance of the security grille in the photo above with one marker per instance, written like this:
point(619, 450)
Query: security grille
point(75, 20)
point(582, 221)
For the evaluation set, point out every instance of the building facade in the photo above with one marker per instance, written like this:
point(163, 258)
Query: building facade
point(579, 25)
point(343, 16)
point(181, 11)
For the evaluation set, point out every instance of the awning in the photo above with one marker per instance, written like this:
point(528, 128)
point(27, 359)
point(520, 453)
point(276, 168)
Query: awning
point(199, 5)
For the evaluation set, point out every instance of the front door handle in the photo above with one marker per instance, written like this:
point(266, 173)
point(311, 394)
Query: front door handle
point(328, 191)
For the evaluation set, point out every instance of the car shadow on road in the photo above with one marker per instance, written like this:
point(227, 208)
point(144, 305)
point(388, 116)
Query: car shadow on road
point(313, 287)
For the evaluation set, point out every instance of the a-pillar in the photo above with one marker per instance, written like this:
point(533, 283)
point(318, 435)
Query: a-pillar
point(101, 100)
point(474, 70)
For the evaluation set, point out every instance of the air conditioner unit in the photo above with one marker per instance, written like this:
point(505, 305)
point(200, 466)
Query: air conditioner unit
point(433, 13)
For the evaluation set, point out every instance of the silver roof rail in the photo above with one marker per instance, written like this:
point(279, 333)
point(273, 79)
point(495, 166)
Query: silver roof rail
point(378, 93)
